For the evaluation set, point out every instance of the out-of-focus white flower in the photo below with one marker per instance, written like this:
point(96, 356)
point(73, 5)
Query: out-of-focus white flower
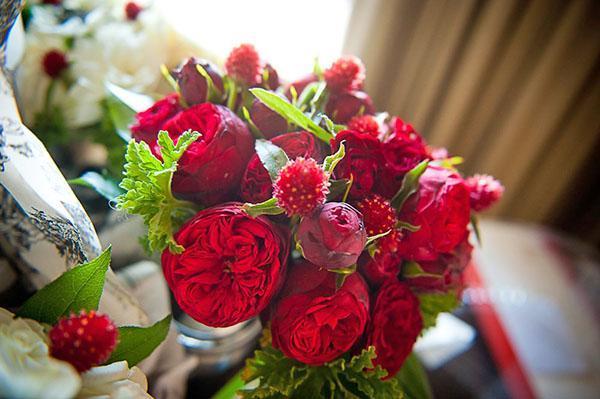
point(26, 368)
point(114, 381)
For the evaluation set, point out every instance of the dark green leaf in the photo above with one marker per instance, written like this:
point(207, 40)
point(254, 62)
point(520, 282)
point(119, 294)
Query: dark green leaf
point(337, 188)
point(137, 343)
point(76, 289)
point(291, 113)
point(268, 207)
point(413, 379)
point(106, 186)
point(410, 184)
point(475, 225)
point(433, 304)
point(272, 157)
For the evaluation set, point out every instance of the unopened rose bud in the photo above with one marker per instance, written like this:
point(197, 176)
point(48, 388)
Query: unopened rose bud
point(193, 85)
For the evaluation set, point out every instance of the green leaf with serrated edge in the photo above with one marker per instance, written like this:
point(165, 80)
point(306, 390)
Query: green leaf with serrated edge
point(290, 113)
point(147, 185)
point(411, 269)
point(407, 226)
point(76, 289)
point(372, 239)
point(337, 188)
point(347, 377)
point(331, 161)
point(135, 101)
point(137, 343)
point(432, 304)
point(410, 184)
point(253, 128)
point(268, 207)
point(475, 225)
point(272, 157)
point(413, 379)
point(106, 186)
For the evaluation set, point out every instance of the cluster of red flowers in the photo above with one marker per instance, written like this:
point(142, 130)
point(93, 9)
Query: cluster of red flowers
point(236, 266)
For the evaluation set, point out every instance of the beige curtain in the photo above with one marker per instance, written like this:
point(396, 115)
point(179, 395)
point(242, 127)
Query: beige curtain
point(511, 85)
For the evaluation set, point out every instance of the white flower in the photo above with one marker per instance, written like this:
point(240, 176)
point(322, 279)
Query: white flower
point(26, 369)
point(114, 381)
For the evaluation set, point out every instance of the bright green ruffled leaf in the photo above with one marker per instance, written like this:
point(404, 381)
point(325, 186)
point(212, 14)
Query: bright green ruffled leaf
point(413, 379)
point(435, 303)
point(147, 185)
point(105, 185)
point(268, 207)
point(410, 184)
point(76, 289)
point(272, 157)
point(331, 161)
point(137, 343)
point(290, 113)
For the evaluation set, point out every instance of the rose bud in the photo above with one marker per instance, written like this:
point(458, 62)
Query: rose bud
point(333, 236)
point(395, 325)
point(485, 191)
point(256, 185)
point(299, 85)
point(402, 150)
point(211, 168)
point(444, 273)
point(268, 122)
point(194, 86)
point(231, 267)
point(149, 122)
point(272, 82)
point(386, 262)
point(313, 322)
point(342, 107)
point(362, 162)
point(441, 210)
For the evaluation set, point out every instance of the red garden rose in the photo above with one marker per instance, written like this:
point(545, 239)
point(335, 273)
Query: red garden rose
point(395, 325)
point(445, 272)
point(333, 236)
point(231, 267)
point(441, 209)
point(194, 86)
point(268, 122)
point(402, 150)
point(342, 107)
point(313, 322)
point(211, 168)
point(363, 161)
point(385, 263)
point(256, 185)
point(149, 122)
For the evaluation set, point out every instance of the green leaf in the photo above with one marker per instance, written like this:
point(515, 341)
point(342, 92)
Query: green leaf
point(120, 115)
point(337, 188)
point(410, 184)
point(372, 239)
point(147, 185)
point(413, 379)
point(228, 391)
point(135, 101)
point(347, 377)
point(331, 161)
point(76, 289)
point(449, 163)
point(268, 207)
point(475, 225)
point(291, 113)
point(432, 304)
point(106, 186)
point(214, 94)
point(253, 128)
point(137, 343)
point(407, 226)
point(412, 269)
point(272, 157)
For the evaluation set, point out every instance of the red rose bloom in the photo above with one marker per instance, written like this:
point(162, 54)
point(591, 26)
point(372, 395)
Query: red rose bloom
point(362, 161)
point(231, 267)
point(402, 150)
point(314, 322)
point(268, 122)
point(149, 122)
point(385, 263)
point(445, 272)
point(342, 107)
point(441, 209)
point(256, 185)
point(211, 168)
point(395, 325)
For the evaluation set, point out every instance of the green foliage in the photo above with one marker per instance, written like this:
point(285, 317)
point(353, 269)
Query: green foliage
point(272, 157)
point(290, 113)
point(331, 161)
point(268, 207)
point(407, 226)
point(105, 185)
point(137, 343)
point(147, 186)
point(432, 304)
point(337, 188)
point(413, 380)
point(410, 184)
point(475, 226)
point(349, 377)
point(50, 126)
point(78, 288)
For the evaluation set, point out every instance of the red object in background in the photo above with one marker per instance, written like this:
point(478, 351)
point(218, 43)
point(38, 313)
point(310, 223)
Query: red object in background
point(54, 62)
point(132, 10)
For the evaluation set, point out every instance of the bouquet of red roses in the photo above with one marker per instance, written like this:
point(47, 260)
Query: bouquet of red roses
point(338, 226)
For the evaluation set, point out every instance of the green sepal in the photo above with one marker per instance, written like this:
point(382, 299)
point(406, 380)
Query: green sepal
point(407, 226)
point(331, 161)
point(253, 128)
point(214, 94)
point(372, 239)
point(412, 269)
point(268, 207)
point(410, 184)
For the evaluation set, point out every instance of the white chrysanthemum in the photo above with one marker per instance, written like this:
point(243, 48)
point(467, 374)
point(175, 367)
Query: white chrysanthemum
point(26, 368)
point(114, 381)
